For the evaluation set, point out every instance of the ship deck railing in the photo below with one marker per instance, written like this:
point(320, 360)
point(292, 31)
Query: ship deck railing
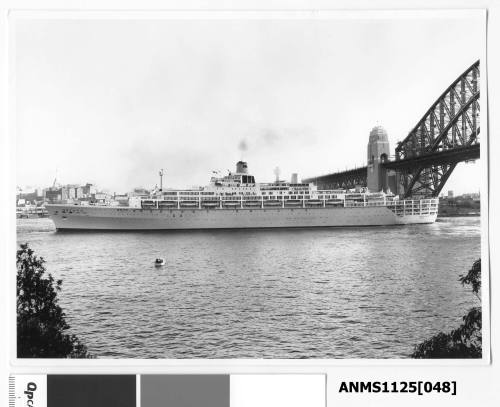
point(405, 207)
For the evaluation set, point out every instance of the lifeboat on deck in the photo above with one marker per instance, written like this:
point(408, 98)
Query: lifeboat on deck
point(314, 202)
point(252, 204)
point(334, 202)
point(148, 204)
point(231, 204)
point(272, 202)
point(167, 204)
point(189, 204)
point(209, 204)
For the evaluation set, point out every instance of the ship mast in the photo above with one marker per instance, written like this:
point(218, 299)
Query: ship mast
point(161, 179)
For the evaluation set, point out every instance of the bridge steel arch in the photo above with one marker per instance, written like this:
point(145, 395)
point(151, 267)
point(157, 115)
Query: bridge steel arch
point(447, 134)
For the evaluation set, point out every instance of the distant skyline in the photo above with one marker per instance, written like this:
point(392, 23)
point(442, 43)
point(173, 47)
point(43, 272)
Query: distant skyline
point(112, 101)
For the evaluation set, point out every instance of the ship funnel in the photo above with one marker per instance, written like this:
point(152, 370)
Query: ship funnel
point(295, 178)
point(277, 172)
point(241, 167)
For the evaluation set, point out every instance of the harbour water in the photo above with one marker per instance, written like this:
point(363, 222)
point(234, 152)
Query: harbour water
point(370, 292)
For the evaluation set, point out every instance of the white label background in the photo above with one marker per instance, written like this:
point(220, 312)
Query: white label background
point(277, 390)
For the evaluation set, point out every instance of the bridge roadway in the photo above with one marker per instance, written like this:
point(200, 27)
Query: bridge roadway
point(358, 176)
point(451, 156)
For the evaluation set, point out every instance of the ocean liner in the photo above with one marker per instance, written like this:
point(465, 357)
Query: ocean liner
point(236, 200)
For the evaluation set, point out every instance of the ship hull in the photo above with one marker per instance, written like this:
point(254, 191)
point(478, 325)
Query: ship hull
point(67, 217)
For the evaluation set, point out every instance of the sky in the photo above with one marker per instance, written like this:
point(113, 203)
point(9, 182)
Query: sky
point(112, 101)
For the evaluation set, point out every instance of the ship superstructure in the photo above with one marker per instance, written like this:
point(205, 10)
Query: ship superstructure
point(236, 200)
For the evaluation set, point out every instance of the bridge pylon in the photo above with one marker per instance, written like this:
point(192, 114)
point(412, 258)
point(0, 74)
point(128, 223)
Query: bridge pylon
point(378, 152)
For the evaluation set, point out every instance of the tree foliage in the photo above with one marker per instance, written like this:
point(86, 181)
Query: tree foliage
point(41, 324)
point(465, 341)
point(473, 277)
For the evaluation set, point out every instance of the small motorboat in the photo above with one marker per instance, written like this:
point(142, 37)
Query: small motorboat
point(159, 262)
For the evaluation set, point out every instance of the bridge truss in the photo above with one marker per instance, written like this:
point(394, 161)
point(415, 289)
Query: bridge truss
point(341, 180)
point(447, 134)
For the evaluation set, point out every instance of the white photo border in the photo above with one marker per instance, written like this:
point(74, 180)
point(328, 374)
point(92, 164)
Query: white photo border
point(135, 366)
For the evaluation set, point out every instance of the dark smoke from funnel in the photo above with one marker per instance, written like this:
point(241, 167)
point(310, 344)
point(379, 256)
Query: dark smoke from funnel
point(243, 145)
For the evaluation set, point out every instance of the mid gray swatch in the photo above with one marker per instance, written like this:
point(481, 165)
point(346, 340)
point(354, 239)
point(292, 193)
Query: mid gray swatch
point(185, 390)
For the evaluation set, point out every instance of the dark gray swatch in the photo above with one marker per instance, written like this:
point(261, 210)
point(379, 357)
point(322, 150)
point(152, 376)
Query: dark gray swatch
point(91, 391)
point(185, 390)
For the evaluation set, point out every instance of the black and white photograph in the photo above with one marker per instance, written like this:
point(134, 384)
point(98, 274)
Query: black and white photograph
point(257, 185)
